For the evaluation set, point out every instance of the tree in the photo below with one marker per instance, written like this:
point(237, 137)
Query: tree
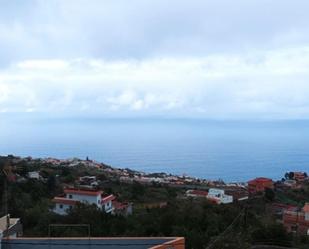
point(138, 190)
point(291, 175)
point(51, 183)
point(269, 194)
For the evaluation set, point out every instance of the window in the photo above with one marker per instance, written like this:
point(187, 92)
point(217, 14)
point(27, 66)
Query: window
point(70, 196)
point(61, 206)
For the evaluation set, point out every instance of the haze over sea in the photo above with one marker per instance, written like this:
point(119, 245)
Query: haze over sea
point(230, 150)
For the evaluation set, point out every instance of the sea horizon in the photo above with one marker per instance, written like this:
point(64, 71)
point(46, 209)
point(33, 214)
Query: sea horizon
point(231, 150)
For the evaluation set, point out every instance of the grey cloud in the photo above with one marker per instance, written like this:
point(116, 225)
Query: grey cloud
point(138, 29)
point(221, 86)
point(205, 58)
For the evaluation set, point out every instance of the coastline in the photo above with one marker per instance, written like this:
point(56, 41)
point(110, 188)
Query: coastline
point(125, 174)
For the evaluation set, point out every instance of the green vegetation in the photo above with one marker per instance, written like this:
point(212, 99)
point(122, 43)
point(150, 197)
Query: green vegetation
point(199, 221)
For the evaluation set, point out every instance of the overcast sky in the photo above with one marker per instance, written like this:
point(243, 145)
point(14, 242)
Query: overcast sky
point(237, 59)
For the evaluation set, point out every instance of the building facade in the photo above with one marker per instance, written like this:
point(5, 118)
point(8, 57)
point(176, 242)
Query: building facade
point(214, 195)
point(218, 196)
point(72, 196)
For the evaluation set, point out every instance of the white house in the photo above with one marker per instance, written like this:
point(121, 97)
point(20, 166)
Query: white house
point(218, 196)
point(63, 205)
point(91, 197)
point(34, 175)
point(107, 204)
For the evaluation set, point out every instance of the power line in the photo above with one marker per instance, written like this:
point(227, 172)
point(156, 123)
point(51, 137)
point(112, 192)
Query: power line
point(226, 230)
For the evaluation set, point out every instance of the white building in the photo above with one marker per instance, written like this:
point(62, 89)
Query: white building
point(34, 175)
point(91, 197)
point(218, 196)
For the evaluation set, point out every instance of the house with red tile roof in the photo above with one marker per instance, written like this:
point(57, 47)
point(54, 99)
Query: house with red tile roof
point(72, 196)
point(258, 185)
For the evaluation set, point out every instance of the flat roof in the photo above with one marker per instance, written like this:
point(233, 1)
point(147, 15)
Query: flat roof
point(3, 220)
point(63, 200)
point(86, 243)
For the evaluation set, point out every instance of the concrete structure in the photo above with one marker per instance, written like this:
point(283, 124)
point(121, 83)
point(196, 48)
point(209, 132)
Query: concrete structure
point(258, 185)
point(92, 197)
point(297, 220)
point(9, 228)
point(218, 196)
point(95, 243)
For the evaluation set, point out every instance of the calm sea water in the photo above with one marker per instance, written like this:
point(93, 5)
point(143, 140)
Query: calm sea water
point(232, 151)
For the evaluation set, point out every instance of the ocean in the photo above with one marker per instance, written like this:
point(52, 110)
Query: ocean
point(228, 150)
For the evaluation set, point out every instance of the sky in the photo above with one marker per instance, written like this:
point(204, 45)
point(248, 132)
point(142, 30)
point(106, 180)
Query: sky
point(209, 59)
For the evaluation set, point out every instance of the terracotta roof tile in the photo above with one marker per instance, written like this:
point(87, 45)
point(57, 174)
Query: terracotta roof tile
point(82, 192)
point(62, 200)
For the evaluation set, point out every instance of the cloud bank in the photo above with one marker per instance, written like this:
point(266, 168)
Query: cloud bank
point(205, 59)
point(264, 84)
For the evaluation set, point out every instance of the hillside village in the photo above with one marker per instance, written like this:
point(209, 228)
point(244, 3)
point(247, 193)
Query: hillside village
point(74, 190)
